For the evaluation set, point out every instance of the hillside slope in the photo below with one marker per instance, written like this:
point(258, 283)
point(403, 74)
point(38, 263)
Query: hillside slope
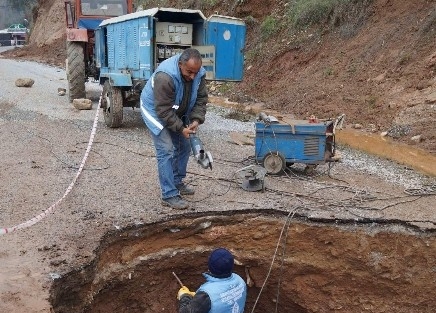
point(377, 67)
point(375, 63)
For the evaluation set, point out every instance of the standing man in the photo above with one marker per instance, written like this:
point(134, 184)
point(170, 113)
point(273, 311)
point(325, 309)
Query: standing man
point(173, 104)
point(223, 291)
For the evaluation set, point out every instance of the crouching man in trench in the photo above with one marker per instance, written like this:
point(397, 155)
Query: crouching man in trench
point(223, 291)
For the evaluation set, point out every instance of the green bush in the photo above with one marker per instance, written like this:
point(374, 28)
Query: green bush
point(306, 13)
point(269, 27)
point(209, 3)
point(147, 4)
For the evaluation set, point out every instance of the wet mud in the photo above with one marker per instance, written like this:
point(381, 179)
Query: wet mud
point(384, 147)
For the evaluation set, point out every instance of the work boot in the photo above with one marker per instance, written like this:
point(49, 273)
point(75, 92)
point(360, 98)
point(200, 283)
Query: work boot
point(175, 203)
point(185, 190)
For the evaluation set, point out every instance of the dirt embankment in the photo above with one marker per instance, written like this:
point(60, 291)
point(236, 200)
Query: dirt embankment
point(375, 63)
point(376, 67)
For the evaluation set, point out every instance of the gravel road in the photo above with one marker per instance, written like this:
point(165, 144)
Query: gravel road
point(43, 139)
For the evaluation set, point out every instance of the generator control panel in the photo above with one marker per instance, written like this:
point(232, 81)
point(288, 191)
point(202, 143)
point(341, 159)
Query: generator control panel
point(174, 33)
point(171, 39)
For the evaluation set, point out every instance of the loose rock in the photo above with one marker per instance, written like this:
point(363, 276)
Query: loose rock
point(62, 91)
point(82, 104)
point(24, 82)
point(417, 138)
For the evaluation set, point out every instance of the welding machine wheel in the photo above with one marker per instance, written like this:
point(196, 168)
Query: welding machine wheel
point(274, 163)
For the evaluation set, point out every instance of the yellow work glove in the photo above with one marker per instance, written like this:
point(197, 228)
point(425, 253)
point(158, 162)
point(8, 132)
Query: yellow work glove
point(184, 291)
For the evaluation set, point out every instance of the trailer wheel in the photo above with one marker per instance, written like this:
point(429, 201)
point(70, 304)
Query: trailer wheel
point(112, 104)
point(76, 70)
point(274, 162)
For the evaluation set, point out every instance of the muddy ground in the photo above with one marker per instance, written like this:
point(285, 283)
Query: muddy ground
point(359, 236)
point(44, 139)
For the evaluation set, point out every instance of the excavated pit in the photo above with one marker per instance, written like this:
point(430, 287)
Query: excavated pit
point(291, 264)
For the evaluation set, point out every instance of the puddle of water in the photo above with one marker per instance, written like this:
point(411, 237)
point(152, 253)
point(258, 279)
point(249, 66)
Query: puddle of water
point(384, 147)
point(374, 144)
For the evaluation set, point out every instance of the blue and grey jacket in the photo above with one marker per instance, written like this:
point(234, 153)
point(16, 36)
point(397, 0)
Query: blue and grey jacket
point(148, 111)
point(226, 294)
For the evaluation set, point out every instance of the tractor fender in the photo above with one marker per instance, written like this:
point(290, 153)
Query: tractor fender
point(77, 34)
point(118, 79)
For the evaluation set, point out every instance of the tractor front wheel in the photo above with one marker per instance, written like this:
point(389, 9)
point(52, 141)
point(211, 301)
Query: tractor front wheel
point(76, 70)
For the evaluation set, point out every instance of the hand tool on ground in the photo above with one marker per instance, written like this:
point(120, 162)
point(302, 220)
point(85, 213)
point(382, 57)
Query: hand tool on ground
point(178, 279)
point(183, 289)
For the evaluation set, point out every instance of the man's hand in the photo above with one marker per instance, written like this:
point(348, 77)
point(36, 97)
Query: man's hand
point(190, 129)
point(184, 291)
point(187, 131)
point(194, 125)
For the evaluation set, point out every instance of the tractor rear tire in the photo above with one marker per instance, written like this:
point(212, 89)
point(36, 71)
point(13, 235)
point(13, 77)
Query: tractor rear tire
point(76, 70)
point(112, 105)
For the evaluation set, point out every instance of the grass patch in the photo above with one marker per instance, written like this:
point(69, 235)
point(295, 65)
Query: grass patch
point(207, 4)
point(306, 13)
point(254, 53)
point(371, 102)
point(329, 71)
point(405, 58)
point(269, 27)
point(250, 20)
point(146, 4)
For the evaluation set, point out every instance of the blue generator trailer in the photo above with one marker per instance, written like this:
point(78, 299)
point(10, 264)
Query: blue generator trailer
point(279, 144)
point(129, 48)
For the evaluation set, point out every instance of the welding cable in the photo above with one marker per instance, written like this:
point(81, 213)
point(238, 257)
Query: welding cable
point(39, 217)
point(213, 192)
point(285, 242)
point(285, 226)
point(68, 164)
point(426, 190)
point(354, 203)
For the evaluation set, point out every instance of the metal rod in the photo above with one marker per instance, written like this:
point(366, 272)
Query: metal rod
point(178, 279)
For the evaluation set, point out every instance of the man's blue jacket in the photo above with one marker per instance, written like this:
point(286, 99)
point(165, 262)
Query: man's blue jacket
point(171, 67)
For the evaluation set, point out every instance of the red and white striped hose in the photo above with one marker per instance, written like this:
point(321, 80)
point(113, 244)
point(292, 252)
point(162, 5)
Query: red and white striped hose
point(51, 209)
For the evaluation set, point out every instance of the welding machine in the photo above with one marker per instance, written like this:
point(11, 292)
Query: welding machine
point(282, 143)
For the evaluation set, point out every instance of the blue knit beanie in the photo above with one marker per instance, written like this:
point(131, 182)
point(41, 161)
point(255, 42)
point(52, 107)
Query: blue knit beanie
point(221, 263)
